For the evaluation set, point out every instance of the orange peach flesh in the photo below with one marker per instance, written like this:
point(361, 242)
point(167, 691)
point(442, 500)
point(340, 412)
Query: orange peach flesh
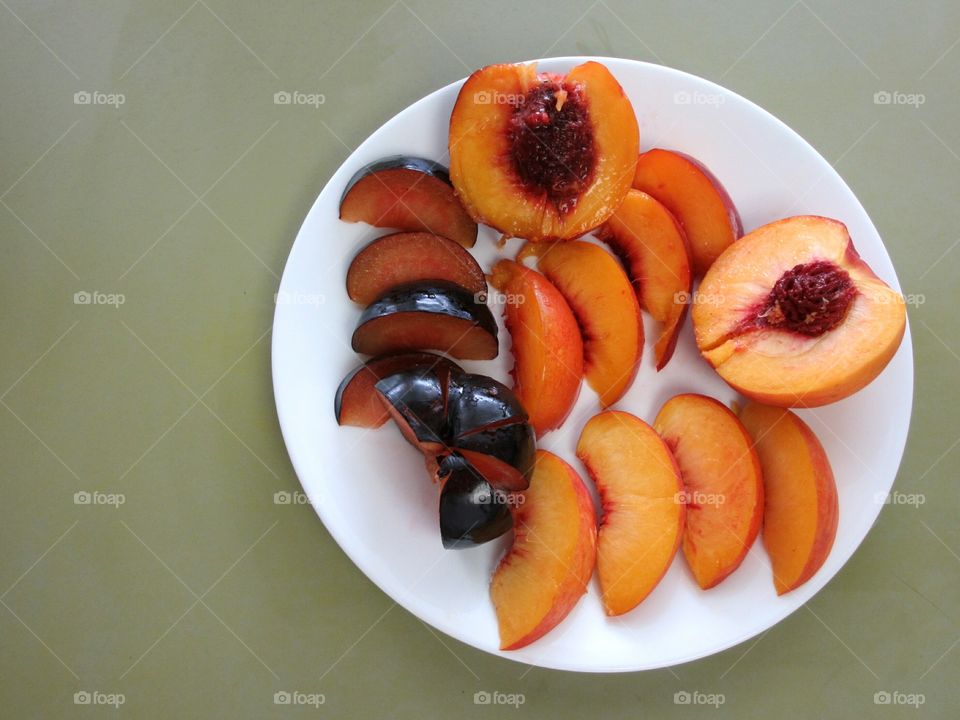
point(643, 513)
point(602, 299)
point(722, 481)
point(654, 248)
point(546, 570)
point(783, 368)
point(801, 508)
point(695, 197)
point(547, 349)
point(480, 166)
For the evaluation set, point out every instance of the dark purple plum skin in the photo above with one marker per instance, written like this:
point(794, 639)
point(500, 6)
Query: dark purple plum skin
point(471, 511)
point(419, 397)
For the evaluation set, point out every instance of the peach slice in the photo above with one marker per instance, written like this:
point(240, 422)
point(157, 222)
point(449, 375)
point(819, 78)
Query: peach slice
point(643, 510)
point(546, 570)
point(547, 349)
point(790, 315)
point(801, 512)
point(540, 156)
point(606, 308)
point(724, 486)
point(653, 247)
point(695, 197)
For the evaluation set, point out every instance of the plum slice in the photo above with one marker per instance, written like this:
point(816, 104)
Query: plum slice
point(416, 400)
point(472, 512)
point(402, 258)
point(428, 315)
point(357, 402)
point(407, 193)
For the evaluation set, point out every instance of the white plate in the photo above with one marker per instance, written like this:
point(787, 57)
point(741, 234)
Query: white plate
point(370, 488)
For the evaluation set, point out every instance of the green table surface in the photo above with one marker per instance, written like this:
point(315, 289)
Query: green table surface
point(178, 190)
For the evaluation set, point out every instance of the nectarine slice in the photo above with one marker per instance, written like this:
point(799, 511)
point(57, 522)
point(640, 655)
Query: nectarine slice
point(695, 197)
point(722, 481)
point(602, 299)
point(790, 315)
point(801, 509)
point(546, 570)
point(402, 258)
point(653, 246)
point(407, 193)
point(540, 156)
point(547, 349)
point(641, 491)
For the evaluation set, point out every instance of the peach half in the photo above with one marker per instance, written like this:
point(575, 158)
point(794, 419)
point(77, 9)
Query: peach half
point(542, 156)
point(790, 315)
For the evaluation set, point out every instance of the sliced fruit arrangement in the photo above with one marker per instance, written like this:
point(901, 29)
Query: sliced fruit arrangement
point(788, 315)
point(357, 402)
point(722, 480)
point(602, 299)
point(403, 258)
point(643, 512)
point(427, 315)
point(547, 349)
point(792, 316)
point(540, 156)
point(695, 197)
point(654, 249)
point(546, 570)
point(407, 193)
point(801, 509)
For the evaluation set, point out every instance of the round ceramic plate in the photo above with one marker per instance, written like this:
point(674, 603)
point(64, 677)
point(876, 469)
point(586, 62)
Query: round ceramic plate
point(371, 490)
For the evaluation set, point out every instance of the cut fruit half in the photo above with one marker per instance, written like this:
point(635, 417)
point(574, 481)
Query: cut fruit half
point(540, 156)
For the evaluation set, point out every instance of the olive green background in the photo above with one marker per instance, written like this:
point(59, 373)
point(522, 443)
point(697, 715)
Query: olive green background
point(201, 597)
